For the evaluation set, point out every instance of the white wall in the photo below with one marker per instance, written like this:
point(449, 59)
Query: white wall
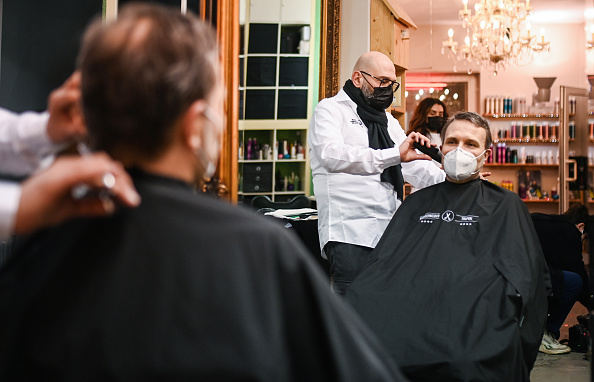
point(566, 61)
point(355, 16)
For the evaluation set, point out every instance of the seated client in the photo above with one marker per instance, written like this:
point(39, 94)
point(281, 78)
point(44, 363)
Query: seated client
point(456, 288)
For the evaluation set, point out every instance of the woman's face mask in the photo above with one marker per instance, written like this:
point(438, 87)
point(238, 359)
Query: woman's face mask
point(435, 123)
point(460, 164)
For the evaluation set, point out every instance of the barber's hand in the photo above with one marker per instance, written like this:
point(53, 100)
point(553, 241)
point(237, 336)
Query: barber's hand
point(66, 122)
point(484, 175)
point(46, 197)
point(407, 150)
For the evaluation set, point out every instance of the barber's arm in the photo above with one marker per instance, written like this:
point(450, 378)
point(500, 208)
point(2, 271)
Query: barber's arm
point(339, 153)
point(10, 193)
point(29, 139)
point(24, 142)
point(419, 173)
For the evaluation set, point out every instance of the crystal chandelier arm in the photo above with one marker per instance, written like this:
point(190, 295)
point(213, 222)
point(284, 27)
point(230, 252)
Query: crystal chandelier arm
point(496, 40)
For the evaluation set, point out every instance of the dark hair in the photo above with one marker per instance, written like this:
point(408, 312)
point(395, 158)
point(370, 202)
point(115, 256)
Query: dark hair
point(418, 121)
point(473, 118)
point(140, 73)
point(577, 213)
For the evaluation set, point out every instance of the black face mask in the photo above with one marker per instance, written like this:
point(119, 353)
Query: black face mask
point(435, 123)
point(381, 99)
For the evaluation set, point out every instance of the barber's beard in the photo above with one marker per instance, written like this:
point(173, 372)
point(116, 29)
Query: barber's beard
point(367, 90)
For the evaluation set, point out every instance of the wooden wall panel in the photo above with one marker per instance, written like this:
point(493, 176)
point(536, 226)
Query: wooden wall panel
point(382, 29)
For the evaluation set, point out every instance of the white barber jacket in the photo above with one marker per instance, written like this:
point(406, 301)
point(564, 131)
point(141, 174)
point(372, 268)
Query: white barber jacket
point(354, 206)
point(24, 146)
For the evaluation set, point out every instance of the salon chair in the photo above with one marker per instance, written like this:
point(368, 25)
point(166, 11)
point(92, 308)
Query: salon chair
point(307, 230)
point(263, 202)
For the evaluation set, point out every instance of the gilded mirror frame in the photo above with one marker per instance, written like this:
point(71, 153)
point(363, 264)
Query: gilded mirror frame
point(329, 48)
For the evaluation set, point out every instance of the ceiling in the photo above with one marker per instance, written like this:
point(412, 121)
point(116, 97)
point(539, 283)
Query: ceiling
point(426, 12)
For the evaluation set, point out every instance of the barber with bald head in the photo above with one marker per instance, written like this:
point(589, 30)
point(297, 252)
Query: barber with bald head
point(360, 158)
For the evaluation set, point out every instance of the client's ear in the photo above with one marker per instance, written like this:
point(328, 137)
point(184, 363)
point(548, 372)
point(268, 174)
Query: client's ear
point(192, 123)
point(487, 154)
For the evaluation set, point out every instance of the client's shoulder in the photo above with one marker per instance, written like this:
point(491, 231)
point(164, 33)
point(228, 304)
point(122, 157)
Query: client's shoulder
point(502, 192)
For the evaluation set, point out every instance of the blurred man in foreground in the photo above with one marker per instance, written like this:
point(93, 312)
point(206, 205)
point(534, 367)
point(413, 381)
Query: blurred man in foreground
point(183, 287)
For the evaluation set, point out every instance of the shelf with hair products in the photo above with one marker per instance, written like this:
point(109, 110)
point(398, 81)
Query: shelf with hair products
point(272, 163)
point(275, 97)
point(534, 154)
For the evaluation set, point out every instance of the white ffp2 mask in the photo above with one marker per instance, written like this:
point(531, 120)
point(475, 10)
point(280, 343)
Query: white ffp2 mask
point(460, 164)
point(209, 153)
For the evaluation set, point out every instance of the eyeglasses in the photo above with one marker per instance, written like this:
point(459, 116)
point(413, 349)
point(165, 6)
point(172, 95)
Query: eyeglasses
point(383, 83)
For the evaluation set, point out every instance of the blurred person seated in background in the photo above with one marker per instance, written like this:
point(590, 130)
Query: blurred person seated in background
point(561, 238)
point(456, 288)
point(184, 286)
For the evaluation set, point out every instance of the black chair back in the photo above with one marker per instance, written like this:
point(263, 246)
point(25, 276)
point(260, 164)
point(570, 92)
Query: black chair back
point(263, 201)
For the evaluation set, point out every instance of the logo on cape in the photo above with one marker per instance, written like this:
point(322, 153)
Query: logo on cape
point(429, 217)
point(448, 216)
point(466, 220)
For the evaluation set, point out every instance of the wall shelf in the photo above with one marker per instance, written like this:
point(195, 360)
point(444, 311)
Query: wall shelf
point(523, 116)
point(527, 141)
point(571, 138)
point(517, 165)
point(276, 93)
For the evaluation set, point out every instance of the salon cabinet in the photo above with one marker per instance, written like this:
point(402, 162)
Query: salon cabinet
point(557, 158)
point(276, 81)
point(268, 169)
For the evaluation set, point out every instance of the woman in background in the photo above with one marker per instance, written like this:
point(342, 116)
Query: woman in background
point(428, 119)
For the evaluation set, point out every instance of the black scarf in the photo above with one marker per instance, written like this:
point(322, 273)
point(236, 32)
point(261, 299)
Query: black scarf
point(377, 131)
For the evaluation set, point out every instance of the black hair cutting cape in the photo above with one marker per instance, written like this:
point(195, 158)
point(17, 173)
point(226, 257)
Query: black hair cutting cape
point(183, 287)
point(456, 288)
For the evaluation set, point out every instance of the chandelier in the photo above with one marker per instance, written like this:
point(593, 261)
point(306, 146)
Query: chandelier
point(497, 36)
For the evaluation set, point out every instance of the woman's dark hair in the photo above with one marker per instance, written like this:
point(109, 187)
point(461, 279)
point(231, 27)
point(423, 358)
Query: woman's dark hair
point(577, 213)
point(418, 121)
